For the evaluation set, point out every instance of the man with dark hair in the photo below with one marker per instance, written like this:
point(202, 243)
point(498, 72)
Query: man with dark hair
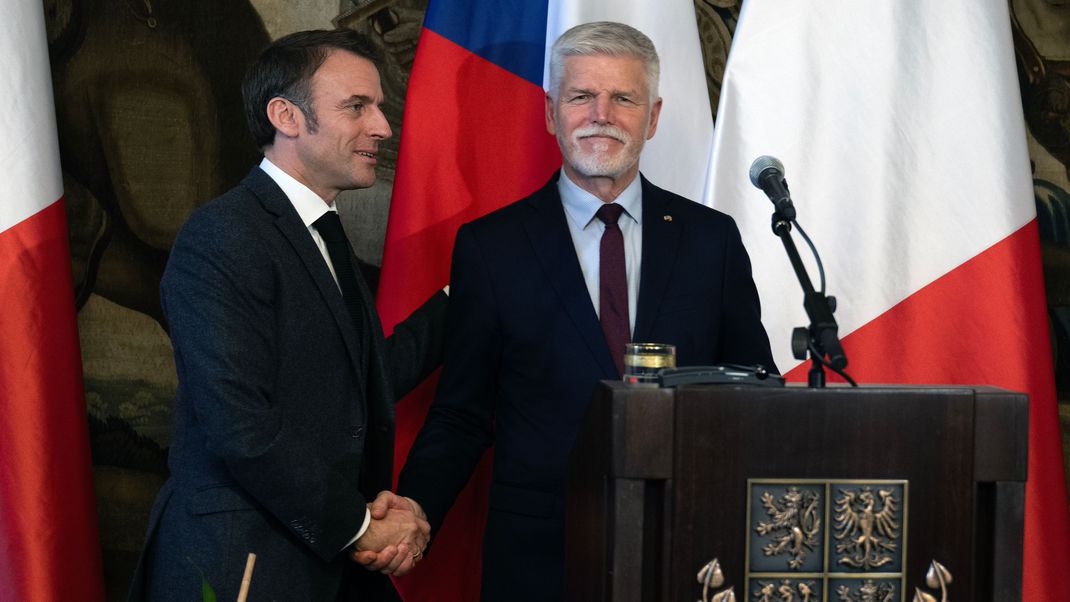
point(284, 418)
point(545, 293)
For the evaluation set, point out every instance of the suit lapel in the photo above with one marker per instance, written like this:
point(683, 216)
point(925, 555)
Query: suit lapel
point(550, 239)
point(661, 238)
point(294, 231)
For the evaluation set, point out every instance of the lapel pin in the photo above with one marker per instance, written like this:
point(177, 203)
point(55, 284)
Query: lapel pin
point(667, 218)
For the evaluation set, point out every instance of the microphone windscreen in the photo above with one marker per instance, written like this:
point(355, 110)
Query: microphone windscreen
point(761, 164)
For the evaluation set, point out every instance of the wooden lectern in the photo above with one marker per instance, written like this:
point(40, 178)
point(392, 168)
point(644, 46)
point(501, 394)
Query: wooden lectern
point(868, 493)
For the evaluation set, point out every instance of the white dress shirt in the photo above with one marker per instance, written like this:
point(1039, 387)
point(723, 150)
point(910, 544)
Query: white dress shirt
point(310, 207)
point(586, 230)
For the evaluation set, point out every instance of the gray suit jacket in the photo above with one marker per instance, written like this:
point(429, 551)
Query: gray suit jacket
point(284, 418)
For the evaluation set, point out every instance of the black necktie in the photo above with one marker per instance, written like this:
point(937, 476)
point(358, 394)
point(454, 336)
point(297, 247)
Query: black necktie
point(613, 285)
point(330, 228)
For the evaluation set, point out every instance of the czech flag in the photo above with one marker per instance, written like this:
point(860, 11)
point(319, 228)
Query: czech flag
point(901, 127)
point(474, 139)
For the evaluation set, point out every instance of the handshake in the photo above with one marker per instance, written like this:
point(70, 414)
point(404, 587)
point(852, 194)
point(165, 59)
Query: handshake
point(396, 536)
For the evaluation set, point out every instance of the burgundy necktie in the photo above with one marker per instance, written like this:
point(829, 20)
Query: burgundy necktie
point(613, 285)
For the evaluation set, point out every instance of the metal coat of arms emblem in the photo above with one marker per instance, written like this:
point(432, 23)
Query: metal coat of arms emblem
point(814, 540)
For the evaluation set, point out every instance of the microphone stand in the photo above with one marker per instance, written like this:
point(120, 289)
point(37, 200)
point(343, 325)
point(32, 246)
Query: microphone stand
point(820, 338)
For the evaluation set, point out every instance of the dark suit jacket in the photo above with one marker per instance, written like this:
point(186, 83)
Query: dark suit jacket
point(284, 418)
point(524, 351)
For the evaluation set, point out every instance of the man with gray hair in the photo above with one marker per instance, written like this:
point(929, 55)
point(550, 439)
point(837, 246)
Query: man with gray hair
point(546, 292)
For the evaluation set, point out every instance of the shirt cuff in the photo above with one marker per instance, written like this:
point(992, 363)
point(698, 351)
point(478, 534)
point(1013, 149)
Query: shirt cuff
point(363, 528)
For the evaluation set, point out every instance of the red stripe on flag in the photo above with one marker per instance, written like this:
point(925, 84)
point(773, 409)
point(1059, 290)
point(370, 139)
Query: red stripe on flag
point(985, 322)
point(49, 547)
point(473, 140)
point(452, 574)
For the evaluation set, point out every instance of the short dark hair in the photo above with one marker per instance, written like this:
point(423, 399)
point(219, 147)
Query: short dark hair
point(285, 68)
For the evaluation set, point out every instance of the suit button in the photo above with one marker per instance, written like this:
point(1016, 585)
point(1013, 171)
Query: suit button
point(358, 432)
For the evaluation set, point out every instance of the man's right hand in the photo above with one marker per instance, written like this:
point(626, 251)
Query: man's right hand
point(395, 538)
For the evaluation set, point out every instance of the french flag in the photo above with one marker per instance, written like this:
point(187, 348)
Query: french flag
point(901, 128)
point(49, 548)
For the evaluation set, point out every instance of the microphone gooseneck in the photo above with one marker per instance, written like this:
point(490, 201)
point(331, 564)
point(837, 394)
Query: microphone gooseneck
point(820, 338)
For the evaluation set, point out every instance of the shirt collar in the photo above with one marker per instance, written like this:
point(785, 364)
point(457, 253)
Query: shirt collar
point(310, 207)
point(581, 206)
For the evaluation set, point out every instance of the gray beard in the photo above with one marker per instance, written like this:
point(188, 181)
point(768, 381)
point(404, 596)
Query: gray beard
point(596, 164)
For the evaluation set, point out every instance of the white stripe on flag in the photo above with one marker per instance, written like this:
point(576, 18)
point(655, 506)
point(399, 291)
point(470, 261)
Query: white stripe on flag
point(901, 130)
point(29, 151)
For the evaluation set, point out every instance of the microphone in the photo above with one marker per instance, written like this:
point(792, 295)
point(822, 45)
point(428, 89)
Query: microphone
point(767, 173)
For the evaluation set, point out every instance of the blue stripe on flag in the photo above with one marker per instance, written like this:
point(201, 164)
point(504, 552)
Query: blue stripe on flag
point(509, 33)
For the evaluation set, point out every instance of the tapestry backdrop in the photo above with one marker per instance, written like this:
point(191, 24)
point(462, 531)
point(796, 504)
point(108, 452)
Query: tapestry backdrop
point(151, 126)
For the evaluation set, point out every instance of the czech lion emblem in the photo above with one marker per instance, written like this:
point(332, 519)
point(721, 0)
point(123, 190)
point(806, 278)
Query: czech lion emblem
point(795, 524)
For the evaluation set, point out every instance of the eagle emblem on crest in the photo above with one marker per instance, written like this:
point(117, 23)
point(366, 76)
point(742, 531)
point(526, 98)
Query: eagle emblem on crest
point(867, 527)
